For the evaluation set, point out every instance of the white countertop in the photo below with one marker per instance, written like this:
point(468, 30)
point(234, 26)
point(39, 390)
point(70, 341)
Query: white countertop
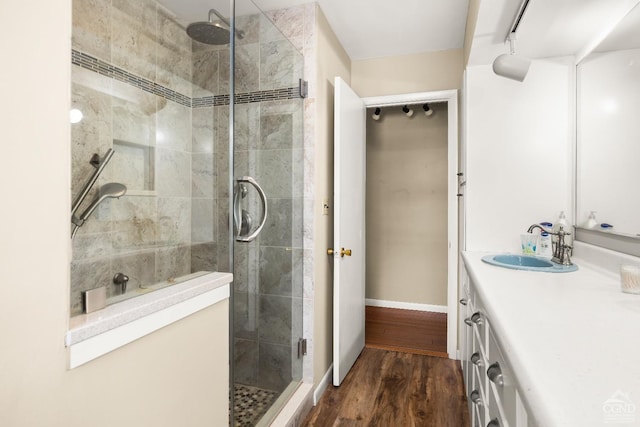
point(572, 339)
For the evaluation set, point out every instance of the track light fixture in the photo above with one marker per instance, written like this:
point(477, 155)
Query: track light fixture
point(408, 111)
point(376, 114)
point(427, 111)
point(511, 65)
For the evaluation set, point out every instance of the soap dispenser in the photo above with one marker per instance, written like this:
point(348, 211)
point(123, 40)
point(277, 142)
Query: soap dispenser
point(591, 221)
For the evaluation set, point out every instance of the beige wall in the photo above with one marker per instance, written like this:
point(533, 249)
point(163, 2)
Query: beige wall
point(332, 61)
point(407, 206)
point(37, 389)
point(177, 376)
point(424, 72)
point(395, 75)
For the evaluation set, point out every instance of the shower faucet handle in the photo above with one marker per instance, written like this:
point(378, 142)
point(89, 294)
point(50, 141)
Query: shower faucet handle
point(121, 280)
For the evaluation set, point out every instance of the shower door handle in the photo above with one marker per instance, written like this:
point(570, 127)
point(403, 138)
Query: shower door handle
point(237, 213)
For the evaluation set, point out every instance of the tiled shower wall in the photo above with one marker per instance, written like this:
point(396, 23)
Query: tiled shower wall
point(159, 100)
point(132, 80)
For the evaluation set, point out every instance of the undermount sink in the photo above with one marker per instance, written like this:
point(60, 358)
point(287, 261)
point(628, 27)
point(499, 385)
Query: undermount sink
point(527, 262)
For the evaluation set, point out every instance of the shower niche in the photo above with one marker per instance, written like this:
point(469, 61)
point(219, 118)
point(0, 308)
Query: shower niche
point(135, 165)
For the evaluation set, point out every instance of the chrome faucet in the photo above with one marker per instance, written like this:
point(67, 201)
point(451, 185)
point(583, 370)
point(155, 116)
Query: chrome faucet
point(534, 226)
point(562, 251)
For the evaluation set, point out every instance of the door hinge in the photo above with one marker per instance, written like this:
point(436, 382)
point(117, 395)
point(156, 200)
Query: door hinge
point(461, 183)
point(302, 347)
point(303, 88)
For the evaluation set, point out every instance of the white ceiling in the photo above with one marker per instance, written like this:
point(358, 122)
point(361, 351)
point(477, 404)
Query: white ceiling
point(549, 28)
point(365, 28)
point(382, 28)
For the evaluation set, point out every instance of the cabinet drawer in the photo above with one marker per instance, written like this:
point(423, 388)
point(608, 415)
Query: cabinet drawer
point(478, 346)
point(466, 343)
point(504, 386)
point(494, 412)
point(483, 324)
point(479, 404)
point(477, 420)
point(476, 321)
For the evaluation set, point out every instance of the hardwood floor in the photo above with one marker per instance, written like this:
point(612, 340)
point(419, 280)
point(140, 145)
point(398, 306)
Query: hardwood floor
point(406, 330)
point(395, 389)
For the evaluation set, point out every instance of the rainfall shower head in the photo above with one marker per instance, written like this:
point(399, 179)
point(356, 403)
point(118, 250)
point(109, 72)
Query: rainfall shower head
point(210, 32)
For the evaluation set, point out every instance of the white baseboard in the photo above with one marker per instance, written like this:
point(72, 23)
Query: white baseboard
point(406, 305)
point(295, 410)
point(322, 385)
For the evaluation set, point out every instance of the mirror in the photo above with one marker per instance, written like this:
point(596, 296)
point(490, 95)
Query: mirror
point(608, 131)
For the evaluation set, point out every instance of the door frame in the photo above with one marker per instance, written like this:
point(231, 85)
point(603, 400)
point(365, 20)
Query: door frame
point(451, 98)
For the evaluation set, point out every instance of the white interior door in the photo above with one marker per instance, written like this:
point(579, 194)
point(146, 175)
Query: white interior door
point(349, 229)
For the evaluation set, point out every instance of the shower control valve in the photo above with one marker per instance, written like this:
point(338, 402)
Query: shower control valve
point(121, 280)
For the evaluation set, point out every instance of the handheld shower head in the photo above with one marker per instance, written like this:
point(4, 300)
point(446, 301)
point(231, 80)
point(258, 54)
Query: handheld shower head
point(110, 190)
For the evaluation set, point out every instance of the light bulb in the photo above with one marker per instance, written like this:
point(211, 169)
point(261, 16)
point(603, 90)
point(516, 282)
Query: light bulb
point(75, 115)
point(408, 111)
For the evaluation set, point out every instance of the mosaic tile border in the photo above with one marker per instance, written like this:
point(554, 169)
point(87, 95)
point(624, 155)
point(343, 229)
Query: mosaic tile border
point(101, 67)
point(90, 63)
point(267, 95)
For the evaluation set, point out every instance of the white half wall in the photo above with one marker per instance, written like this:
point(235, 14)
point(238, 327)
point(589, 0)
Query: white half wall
point(519, 152)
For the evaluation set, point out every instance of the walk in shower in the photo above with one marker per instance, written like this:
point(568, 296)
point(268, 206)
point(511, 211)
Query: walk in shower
point(205, 172)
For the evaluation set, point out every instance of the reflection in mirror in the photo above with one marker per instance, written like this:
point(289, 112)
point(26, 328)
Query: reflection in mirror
point(608, 130)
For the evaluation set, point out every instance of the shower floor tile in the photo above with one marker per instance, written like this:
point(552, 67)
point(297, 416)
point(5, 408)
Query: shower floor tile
point(250, 404)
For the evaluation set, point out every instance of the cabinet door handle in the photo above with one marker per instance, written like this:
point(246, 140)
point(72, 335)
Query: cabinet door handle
point(464, 301)
point(475, 318)
point(475, 398)
point(493, 423)
point(494, 372)
point(476, 359)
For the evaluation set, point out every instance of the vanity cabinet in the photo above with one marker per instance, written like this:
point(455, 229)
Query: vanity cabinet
point(490, 383)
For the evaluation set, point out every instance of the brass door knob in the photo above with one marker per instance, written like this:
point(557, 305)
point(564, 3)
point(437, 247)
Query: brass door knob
point(343, 252)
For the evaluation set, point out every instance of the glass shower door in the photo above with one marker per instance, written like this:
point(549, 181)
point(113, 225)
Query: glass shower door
point(267, 216)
